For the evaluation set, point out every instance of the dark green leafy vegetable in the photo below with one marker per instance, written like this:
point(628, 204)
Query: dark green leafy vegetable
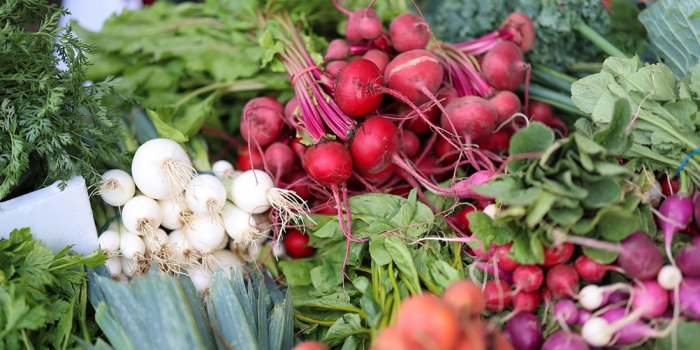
point(160, 311)
point(674, 33)
point(380, 272)
point(665, 129)
point(51, 126)
point(43, 296)
point(569, 186)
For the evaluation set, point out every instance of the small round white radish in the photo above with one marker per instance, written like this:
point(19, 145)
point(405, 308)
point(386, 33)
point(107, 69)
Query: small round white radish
point(254, 192)
point(654, 194)
point(240, 226)
point(205, 195)
point(132, 246)
point(157, 242)
point(117, 187)
point(201, 278)
point(252, 252)
point(205, 233)
point(161, 169)
point(597, 332)
point(669, 277)
point(182, 250)
point(491, 210)
point(109, 242)
point(222, 168)
point(277, 249)
point(129, 267)
point(591, 297)
point(224, 243)
point(174, 215)
point(226, 259)
point(114, 266)
point(141, 215)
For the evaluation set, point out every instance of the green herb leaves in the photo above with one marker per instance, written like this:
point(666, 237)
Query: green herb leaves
point(42, 295)
point(569, 186)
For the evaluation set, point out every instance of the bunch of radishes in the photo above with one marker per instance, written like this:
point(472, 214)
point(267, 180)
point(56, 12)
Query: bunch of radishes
point(213, 220)
point(658, 290)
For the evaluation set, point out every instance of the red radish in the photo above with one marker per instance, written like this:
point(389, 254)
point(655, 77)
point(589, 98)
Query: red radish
point(416, 74)
point(378, 57)
point(418, 124)
point(311, 345)
point(504, 66)
point(651, 298)
point(526, 301)
point(296, 244)
point(445, 152)
point(462, 220)
point(409, 32)
point(333, 68)
point(356, 27)
point(299, 183)
point(669, 187)
point(374, 145)
point(497, 295)
point(356, 91)
point(566, 311)
point(262, 125)
point(590, 270)
point(562, 280)
point(410, 144)
point(280, 159)
point(524, 331)
point(524, 30)
point(498, 142)
point(329, 163)
point(491, 270)
point(337, 50)
point(464, 297)
point(506, 104)
point(677, 210)
point(540, 111)
point(484, 254)
point(428, 322)
point(565, 340)
point(688, 259)
point(528, 278)
point(502, 260)
point(558, 254)
point(471, 116)
point(249, 159)
point(382, 176)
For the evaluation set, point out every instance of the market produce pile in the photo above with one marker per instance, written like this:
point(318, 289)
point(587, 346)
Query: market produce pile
point(389, 175)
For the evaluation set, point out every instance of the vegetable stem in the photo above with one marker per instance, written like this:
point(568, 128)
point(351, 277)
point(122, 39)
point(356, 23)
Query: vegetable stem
point(554, 98)
point(313, 320)
point(585, 67)
point(598, 40)
point(229, 86)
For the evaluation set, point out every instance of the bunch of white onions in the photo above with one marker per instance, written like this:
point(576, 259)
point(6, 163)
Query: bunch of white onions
point(213, 220)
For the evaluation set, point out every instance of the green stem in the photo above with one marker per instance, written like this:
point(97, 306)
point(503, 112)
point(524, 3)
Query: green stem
point(313, 320)
point(229, 86)
point(585, 67)
point(598, 40)
point(555, 99)
point(397, 293)
point(408, 284)
point(360, 312)
point(554, 73)
point(363, 269)
point(431, 287)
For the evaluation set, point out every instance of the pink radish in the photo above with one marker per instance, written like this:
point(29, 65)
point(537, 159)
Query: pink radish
point(471, 116)
point(677, 211)
point(562, 280)
point(356, 91)
point(504, 66)
point(409, 32)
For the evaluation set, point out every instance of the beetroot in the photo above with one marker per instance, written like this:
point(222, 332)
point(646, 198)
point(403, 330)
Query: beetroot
point(416, 74)
point(409, 32)
point(506, 104)
point(249, 159)
point(374, 145)
point(410, 144)
point(329, 163)
point(337, 50)
point(498, 142)
point(369, 27)
point(263, 102)
point(472, 117)
point(280, 158)
point(356, 91)
point(334, 68)
point(446, 154)
point(523, 30)
point(504, 66)
point(291, 108)
point(378, 57)
point(358, 27)
point(262, 125)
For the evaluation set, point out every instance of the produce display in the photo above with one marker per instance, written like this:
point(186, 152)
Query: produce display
point(310, 175)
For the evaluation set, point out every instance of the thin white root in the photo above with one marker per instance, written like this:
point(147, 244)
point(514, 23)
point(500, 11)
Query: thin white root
point(165, 260)
point(177, 175)
point(290, 206)
point(209, 261)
